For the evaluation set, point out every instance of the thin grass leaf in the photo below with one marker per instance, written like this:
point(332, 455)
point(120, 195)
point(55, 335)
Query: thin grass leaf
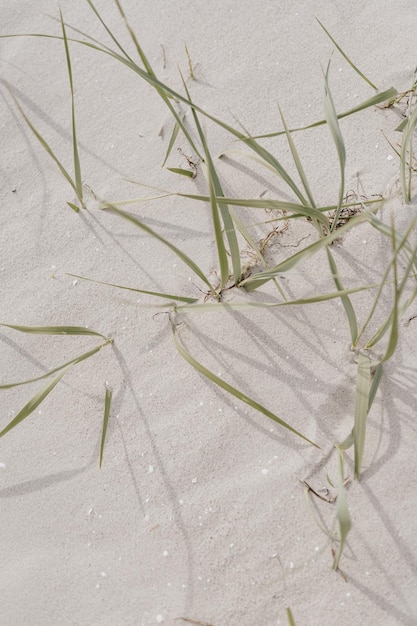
point(166, 296)
point(345, 56)
point(210, 307)
point(172, 140)
point(290, 618)
point(361, 409)
point(107, 406)
point(77, 167)
point(47, 149)
point(73, 206)
point(256, 280)
point(54, 330)
point(333, 124)
point(375, 384)
point(184, 258)
point(216, 205)
point(178, 170)
point(297, 161)
point(33, 404)
point(232, 390)
point(78, 359)
point(347, 305)
point(407, 156)
point(342, 512)
point(378, 98)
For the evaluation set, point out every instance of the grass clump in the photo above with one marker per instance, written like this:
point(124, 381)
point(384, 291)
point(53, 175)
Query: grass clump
point(229, 229)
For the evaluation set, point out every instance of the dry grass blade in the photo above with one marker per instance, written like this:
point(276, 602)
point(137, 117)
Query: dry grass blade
point(344, 55)
point(361, 409)
point(34, 402)
point(166, 296)
point(342, 512)
point(232, 390)
point(107, 405)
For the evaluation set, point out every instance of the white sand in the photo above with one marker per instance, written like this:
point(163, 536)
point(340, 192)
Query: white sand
point(197, 511)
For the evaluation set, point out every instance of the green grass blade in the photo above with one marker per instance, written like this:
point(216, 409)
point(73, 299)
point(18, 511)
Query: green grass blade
point(361, 409)
point(378, 98)
point(172, 140)
point(216, 205)
point(166, 296)
point(34, 402)
point(290, 617)
point(47, 148)
point(107, 405)
point(184, 258)
point(297, 161)
point(347, 305)
point(77, 167)
point(375, 384)
point(214, 307)
point(78, 359)
point(179, 170)
point(342, 512)
point(232, 390)
point(333, 124)
point(256, 280)
point(345, 56)
point(54, 330)
point(407, 156)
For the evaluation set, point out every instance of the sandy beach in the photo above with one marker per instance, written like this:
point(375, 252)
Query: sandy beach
point(199, 514)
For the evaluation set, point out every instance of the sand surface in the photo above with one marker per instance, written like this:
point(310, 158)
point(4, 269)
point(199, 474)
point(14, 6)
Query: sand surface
point(198, 512)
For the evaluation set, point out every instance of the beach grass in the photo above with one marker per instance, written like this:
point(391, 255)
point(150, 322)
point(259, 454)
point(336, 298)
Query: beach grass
point(230, 230)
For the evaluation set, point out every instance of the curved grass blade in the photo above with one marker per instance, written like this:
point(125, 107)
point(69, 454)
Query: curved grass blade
point(184, 258)
point(77, 359)
point(345, 56)
point(256, 280)
point(34, 402)
point(167, 296)
point(378, 98)
point(49, 150)
point(232, 390)
point(107, 405)
point(363, 378)
point(342, 512)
